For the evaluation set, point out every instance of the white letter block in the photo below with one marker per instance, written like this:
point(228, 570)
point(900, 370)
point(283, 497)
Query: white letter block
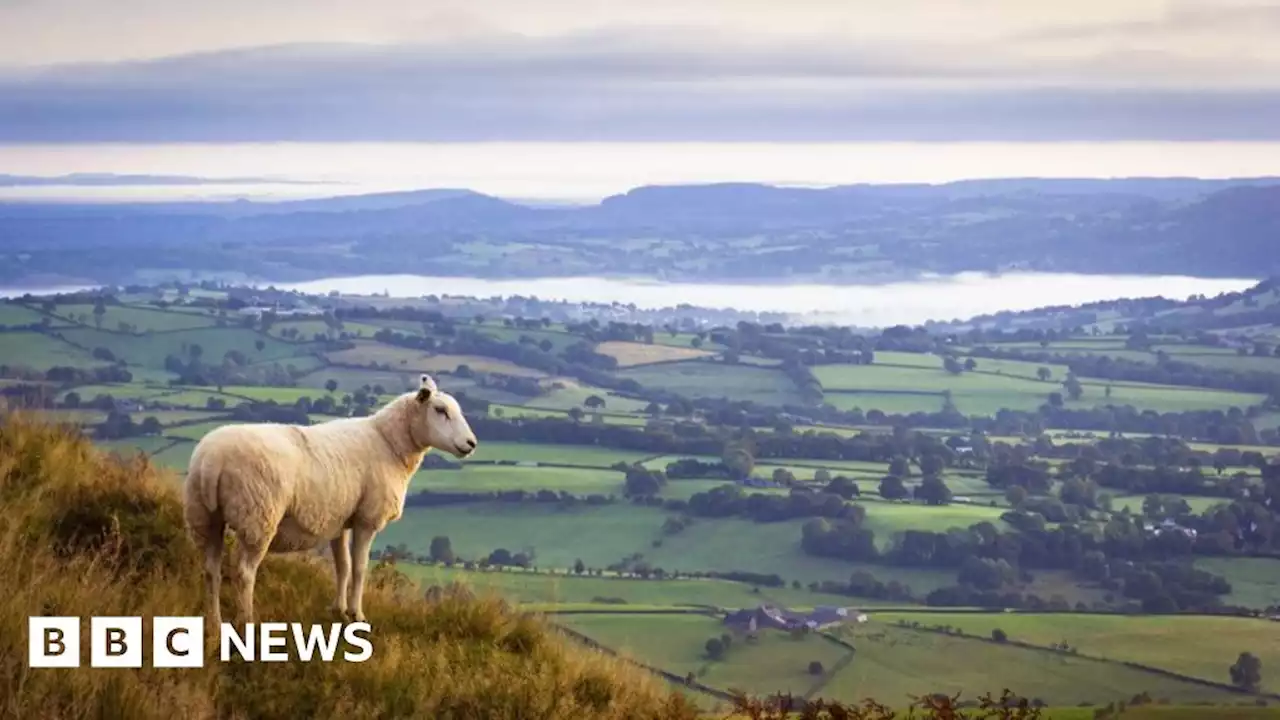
point(53, 642)
point(115, 642)
point(177, 642)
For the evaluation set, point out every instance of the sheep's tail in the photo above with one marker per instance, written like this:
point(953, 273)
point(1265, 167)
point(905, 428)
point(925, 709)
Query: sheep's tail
point(202, 504)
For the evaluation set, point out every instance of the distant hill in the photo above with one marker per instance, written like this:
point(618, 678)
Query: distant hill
point(722, 231)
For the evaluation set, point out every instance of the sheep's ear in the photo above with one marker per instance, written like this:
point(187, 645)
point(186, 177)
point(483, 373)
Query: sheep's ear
point(428, 384)
point(424, 395)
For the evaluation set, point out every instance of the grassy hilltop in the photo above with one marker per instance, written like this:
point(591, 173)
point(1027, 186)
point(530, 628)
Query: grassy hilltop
point(86, 534)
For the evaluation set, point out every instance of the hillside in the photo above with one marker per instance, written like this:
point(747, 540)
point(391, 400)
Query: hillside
point(729, 231)
point(639, 483)
point(84, 535)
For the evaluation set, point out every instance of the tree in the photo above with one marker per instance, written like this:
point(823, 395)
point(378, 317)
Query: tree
point(715, 649)
point(259, 344)
point(739, 460)
point(970, 364)
point(1247, 672)
point(1016, 495)
point(575, 414)
point(951, 365)
point(150, 426)
point(641, 482)
point(931, 464)
point(784, 477)
point(999, 635)
point(441, 549)
point(593, 402)
point(579, 567)
point(892, 488)
point(331, 385)
point(933, 491)
point(842, 486)
point(1044, 374)
point(815, 667)
point(1073, 387)
point(99, 310)
point(899, 467)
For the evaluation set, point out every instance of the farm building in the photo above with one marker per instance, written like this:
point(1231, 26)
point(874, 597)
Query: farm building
point(750, 620)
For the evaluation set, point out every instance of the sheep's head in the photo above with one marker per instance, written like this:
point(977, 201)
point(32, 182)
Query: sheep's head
point(440, 422)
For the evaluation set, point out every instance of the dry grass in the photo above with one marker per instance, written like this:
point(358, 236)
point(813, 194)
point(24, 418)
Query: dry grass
point(630, 354)
point(86, 534)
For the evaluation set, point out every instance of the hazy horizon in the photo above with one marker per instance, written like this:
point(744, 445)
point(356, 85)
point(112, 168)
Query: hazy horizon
point(587, 172)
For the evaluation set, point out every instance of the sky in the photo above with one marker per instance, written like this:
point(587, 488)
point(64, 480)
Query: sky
point(1199, 79)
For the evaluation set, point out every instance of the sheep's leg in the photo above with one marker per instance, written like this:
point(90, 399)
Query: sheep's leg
point(213, 576)
point(361, 542)
point(251, 556)
point(341, 549)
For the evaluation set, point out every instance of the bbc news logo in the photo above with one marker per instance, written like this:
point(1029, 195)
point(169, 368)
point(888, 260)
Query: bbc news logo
point(179, 642)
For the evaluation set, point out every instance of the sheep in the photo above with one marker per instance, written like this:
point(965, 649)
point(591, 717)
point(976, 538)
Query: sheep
point(287, 488)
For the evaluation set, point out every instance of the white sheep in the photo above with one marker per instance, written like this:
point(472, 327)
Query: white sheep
point(287, 488)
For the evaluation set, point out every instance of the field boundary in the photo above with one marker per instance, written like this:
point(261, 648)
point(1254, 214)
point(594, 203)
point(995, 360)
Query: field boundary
point(1097, 658)
point(665, 674)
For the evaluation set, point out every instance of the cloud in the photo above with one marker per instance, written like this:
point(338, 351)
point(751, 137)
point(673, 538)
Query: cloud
point(1213, 16)
point(114, 180)
point(669, 84)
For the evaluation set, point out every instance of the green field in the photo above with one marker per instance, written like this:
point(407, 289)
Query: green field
point(885, 519)
point(196, 398)
point(589, 455)
point(498, 410)
point(12, 315)
point(282, 395)
point(142, 319)
point(684, 489)
point(676, 643)
point(893, 663)
point(899, 403)
point(1197, 646)
point(599, 536)
point(1255, 582)
point(176, 456)
point(559, 340)
point(564, 592)
point(307, 329)
point(39, 351)
point(489, 478)
point(349, 379)
point(980, 393)
point(716, 379)
point(119, 391)
point(575, 394)
point(133, 446)
point(194, 432)
point(173, 417)
point(151, 349)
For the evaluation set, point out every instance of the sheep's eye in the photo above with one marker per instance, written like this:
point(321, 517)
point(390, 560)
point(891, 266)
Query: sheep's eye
point(443, 412)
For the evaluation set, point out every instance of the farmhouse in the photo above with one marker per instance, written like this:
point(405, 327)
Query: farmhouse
point(1169, 526)
point(750, 620)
